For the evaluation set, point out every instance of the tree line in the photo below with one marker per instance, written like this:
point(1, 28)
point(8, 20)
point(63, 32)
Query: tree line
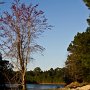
point(48, 76)
point(37, 76)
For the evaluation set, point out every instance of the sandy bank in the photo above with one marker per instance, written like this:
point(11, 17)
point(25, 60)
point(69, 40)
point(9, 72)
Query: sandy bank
point(86, 87)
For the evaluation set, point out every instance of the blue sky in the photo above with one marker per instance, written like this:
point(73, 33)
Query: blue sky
point(68, 17)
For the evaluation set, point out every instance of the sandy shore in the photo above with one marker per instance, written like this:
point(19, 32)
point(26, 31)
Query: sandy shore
point(86, 87)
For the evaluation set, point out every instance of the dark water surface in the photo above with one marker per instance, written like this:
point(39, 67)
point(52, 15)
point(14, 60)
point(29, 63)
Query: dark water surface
point(34, 86)
point(43, 86)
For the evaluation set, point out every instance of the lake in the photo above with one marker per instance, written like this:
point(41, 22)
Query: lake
point(36, 86)
point(43, 86)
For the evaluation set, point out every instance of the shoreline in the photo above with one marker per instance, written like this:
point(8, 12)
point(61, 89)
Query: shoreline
point(49, 83)
point(54, 83)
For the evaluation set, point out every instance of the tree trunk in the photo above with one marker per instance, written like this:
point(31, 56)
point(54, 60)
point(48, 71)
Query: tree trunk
point(23, 81)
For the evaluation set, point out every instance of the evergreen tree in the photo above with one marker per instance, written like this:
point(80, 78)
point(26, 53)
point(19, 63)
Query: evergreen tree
point(78, 60)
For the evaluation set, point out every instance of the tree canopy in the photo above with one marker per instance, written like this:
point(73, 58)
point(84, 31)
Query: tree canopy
point(87, 2)
point(78, 59)
point(79, 55)
point(48, 76)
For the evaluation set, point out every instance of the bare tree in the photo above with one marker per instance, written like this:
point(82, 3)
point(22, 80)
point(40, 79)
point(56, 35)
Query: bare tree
point(18, 31)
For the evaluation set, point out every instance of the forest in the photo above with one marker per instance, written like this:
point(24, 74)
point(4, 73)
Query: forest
point(50, 76)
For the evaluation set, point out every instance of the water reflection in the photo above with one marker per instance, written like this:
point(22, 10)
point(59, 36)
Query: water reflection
point(33, 86)
point(43, 86)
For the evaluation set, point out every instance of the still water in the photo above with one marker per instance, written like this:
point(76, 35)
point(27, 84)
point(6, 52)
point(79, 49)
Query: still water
point(43, 86)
